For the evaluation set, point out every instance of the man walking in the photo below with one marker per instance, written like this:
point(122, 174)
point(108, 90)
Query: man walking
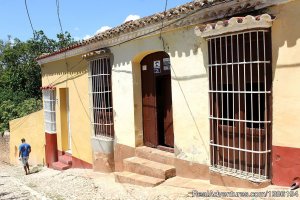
point(24, 151)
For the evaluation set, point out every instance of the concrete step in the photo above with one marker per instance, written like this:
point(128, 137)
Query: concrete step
point(149, 168)
point(137, 179)
point(66, 159)
point(155, 155)
point(60, 166)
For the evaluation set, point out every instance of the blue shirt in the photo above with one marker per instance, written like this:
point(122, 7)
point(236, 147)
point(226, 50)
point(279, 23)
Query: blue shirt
point(24, 148)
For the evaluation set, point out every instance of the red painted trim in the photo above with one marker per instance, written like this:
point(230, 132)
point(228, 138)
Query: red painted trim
point(286, 165)
point(60, 153)
point(51, 149)
point(76, 162)
point(49, 87)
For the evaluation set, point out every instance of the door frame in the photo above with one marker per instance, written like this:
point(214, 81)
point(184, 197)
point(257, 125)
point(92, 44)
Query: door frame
point(152, 138)
point(65, 125)
point(68, 121)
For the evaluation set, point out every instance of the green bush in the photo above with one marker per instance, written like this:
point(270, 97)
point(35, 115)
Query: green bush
point(20, 74)
point(10, 110)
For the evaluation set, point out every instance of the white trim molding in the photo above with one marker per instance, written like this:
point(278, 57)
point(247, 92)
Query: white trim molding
point(235, 24)
point(100, 53)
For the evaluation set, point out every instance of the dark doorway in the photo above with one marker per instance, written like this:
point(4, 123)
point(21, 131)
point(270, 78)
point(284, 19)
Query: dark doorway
point(157, 100)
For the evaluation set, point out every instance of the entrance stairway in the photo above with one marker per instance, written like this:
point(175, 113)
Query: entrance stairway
point(64, 162)
point(149, 167)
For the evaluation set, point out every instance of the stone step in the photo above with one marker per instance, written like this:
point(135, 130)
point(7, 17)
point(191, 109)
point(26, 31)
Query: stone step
point(149, 168)
point(66, 159)
point(60, 166)
point(155, 155)
point(137, 179)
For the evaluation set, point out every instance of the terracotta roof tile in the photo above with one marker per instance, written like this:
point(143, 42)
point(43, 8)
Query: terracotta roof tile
point(49, 87)
point(219, 27)
point(140, 23)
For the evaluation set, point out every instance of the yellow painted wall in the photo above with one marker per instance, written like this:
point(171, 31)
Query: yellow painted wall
point(75, 79)
point(30, 127)
point(190, 95)
point(286, 75)
point(189, 92)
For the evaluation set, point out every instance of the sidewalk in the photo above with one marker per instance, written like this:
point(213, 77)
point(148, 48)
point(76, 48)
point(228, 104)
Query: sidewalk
point(204, 186)
point(182, 188)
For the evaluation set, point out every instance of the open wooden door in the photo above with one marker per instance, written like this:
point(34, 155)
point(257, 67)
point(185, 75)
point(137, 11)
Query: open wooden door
point(157, 100)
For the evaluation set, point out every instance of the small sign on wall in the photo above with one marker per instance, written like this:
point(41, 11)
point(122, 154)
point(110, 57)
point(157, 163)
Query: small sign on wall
point(166, 68)
point(156, 66)
point(144, 67)
point(167, 64)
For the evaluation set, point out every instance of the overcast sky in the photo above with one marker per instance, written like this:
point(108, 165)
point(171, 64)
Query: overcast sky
point(82, 18)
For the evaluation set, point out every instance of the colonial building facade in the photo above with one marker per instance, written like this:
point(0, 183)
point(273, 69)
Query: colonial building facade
point(206, 90)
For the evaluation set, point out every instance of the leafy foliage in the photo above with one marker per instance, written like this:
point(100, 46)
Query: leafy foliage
point(10, 110)
point(20, 74)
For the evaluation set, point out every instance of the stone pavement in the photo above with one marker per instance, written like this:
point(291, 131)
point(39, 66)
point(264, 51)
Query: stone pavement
point(75, 184)
point(12, 188)
point(86, 184)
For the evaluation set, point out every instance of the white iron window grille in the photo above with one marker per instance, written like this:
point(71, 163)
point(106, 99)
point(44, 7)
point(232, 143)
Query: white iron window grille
point(101, 97)
point(49, 110)
point(240, 78)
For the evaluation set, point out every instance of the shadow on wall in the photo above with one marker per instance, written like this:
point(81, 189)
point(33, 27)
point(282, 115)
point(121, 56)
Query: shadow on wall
point(286, 47)
point(179, 43)
point(62, 71)
point(285, 32)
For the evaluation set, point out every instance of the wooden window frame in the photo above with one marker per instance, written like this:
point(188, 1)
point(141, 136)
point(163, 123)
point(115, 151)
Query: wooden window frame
point(49, 98)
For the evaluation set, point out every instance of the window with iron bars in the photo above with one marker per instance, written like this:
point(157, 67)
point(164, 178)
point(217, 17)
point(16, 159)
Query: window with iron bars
point(101, 97)
point(240, 78)
point(49, 110)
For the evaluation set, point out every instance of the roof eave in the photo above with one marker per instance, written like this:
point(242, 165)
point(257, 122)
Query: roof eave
point(201, 15)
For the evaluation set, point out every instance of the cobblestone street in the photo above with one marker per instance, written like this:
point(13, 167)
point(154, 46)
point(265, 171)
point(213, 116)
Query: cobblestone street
point(44, 183)
point(75, 184)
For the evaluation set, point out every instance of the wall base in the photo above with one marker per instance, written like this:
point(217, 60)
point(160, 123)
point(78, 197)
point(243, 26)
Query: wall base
point(231, 181)
point(102, 144)
point(103, 162)
point(103, 154)
point(286, 165)
point(51, 149)
point(191, 170)
point(76, 162)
